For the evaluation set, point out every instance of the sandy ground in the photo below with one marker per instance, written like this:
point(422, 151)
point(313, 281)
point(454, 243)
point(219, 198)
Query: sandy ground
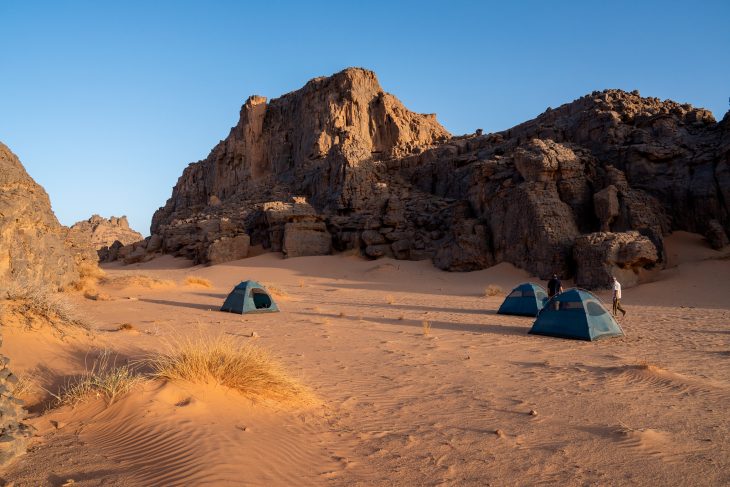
point(398, 407)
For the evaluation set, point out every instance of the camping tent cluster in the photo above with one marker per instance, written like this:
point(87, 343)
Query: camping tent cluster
point(574, 313)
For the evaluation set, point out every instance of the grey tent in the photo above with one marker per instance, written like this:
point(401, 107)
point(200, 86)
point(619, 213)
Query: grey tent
point(577, 314)
point(249, 297)
point(527, 299)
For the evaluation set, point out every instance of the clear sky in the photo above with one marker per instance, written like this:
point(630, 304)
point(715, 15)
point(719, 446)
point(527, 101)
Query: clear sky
point(106, 102)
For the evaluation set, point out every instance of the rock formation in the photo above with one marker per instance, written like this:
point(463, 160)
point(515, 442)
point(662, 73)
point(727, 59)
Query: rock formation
point(34, 251)
point(101, 232)
point(34, 248)
point(14, 435)
point(339, 164)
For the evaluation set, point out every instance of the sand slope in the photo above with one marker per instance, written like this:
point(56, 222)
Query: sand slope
point(400, 407)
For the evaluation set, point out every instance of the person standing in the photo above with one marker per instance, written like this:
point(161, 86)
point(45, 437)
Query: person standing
point(617, 297)
point(554, 286)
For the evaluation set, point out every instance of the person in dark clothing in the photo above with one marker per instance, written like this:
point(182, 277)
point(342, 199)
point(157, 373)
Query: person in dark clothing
point(554, 286)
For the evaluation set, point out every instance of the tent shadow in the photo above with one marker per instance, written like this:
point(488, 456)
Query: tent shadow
point(436, 325)
point(421, 308)
point(200, 306)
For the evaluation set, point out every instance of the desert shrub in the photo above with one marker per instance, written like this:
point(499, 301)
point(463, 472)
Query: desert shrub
point(197, 281)
point(137, 280)
point(246, 368)
point(103, 378)
point(35, 301)
point(493, 290)
point(426, 325)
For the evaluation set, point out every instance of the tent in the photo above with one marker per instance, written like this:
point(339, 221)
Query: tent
point(576, 314)
point(527, 299)
point(249, 297)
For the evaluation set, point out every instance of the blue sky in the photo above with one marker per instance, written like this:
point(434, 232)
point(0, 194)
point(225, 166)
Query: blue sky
point(107, 102)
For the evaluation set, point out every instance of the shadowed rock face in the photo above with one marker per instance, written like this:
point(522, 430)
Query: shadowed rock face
point(33, 245)
point(394, 183)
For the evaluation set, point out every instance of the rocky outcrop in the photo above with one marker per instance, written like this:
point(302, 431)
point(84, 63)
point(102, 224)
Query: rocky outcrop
point(100, 232)
point(343, 156)
point(226, 249)
point(33, 245)
point(14, 435)
point(601, 256)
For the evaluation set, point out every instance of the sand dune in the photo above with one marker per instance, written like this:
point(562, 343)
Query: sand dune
point(476, 401)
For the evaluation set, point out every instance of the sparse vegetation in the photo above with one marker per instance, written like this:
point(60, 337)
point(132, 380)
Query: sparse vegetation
point(36, 303)
point(197, 281)
point(104, 378)
point(389, 299)
point(126, 327)
point(95, 295)
point(493, 290)
point(426, 327)
point(401, 318)
point(137, 280)
point(221, 360)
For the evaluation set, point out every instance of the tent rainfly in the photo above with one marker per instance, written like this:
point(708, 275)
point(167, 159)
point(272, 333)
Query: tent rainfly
point(576, 314)
point(249, 297)
point(527, 299)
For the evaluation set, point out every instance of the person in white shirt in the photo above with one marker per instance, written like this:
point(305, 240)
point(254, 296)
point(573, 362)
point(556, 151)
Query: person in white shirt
point(617, 297)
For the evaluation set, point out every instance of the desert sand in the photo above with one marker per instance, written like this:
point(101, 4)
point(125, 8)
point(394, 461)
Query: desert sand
point(475, 401)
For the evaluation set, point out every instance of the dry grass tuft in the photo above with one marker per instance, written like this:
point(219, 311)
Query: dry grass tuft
point(493, 290)
point(95, 295)
point(39, 304)
point(89, 275)
point(389, 299)
point(426, 327)
point(401, 318)
point(197, 281)
point(25, 386)
point(301, 283)
point(341, 314)
point(138, 280)
point(221, 360)
point(126, 327)
point(102, 379)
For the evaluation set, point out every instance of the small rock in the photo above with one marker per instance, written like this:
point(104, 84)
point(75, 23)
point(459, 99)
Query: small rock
point(533, 412)
point(254, 334)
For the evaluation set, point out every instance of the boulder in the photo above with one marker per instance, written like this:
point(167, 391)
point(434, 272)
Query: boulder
point(226, 249)
point(306, 238)
point(600, 256)
point(606, 205)
point(716, 235)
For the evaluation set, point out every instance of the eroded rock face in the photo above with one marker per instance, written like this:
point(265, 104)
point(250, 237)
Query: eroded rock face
point(390, 182)
point(102, 232)
point(602, 255)
point(226, 249)
point(33, 245)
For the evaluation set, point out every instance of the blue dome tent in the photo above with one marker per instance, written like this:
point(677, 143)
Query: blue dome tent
point(249, 297)
point(527, 299)
point(576, 314)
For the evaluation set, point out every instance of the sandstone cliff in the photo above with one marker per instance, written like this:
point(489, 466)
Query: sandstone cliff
point(33, 245)
point(374, 176)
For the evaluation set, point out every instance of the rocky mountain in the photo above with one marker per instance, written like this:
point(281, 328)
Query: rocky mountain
point(103, 232)
point(105, 236)
point(587, 190)
point(33, 246)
